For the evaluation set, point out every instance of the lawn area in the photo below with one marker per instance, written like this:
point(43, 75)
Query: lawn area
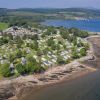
point(3, 26)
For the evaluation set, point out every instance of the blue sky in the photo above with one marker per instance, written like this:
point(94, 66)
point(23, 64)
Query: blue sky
point(49, 3)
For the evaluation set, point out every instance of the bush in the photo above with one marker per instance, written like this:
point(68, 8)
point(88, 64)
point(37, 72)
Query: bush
point(29, 68)
point(86, 46)
point(79, 33)
point(19, 54)
point(83, 52)
point(50, 42)
point(75, 54)
point(3, 40)
point(38, 69)
point(12, 58)
point(60, 61)
point(25, 69)
point(21, 69)
point(5, 71)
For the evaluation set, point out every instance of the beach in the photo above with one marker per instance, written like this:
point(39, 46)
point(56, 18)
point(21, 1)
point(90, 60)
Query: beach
point(22, 86)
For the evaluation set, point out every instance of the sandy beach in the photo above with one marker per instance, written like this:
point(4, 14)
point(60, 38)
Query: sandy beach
point(54, 75)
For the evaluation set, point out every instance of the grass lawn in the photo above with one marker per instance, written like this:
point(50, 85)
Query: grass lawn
point(3, 26)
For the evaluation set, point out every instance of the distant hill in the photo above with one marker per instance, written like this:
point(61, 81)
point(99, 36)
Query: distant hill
point(30, 15)
point(94, 12)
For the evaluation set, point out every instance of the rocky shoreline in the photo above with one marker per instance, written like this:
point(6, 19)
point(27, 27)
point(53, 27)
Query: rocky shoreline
point(20, 86)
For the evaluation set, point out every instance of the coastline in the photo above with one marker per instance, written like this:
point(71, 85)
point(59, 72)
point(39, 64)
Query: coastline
point(30, 85)
point(50, 77)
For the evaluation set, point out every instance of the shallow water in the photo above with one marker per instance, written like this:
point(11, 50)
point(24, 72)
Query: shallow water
point(84, 88)
point(92, 25)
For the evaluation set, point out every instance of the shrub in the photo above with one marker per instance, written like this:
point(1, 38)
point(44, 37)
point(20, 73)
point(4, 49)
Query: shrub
point(38, 69)
point(5, 71)
point(75, 54)
point(12, 57)
point(29, 68)
point(20, 68)
point(83, 52)
point(19, 54)
point(60, 60)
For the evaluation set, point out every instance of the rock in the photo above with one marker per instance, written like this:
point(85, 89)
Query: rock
point(91, 57)
point(6, 91)
point(17, 87)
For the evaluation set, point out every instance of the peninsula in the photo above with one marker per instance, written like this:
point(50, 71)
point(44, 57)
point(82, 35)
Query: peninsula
point(31, 57)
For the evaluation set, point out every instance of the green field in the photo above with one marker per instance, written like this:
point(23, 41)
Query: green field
point(3, 26)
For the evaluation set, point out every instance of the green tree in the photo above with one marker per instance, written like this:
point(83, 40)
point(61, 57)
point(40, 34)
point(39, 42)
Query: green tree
point(36, 45)
point(21, 69)
point(75, 54)
point(86, 46)
point(83, 52)
point(12, 58)
point(50, 42)
point(19, 54)
point(5, 70)
point(60, 60)
point(79, 33)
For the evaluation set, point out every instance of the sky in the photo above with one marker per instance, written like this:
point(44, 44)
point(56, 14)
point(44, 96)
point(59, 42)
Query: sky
point(49, 3)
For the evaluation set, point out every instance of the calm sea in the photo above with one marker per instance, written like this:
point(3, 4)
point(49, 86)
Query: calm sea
point(92, 25)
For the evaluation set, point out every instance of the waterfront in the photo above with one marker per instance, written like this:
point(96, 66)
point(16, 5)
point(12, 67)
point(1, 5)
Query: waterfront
point(92, 25)
point(84, 88)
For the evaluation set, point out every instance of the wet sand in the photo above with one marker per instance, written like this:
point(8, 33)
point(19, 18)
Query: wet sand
point(83, 88)
point(96, 48)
